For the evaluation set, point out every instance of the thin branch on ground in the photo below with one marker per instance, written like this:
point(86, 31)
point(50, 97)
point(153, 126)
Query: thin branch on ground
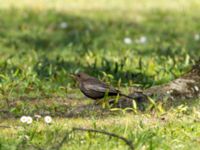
point(129, 143)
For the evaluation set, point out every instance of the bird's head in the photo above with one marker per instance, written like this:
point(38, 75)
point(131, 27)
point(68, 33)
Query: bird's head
point(81, 76)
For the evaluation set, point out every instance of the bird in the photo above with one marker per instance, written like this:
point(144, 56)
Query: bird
point(93, 88)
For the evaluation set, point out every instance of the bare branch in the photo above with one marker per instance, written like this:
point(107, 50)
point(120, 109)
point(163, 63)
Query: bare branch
point(129, 143)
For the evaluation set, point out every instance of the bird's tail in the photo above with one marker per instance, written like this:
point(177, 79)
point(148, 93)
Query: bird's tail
point(127, 96)
point(136, 96)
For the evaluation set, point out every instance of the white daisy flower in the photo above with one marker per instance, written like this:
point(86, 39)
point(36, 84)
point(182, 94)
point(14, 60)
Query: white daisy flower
point(127, 40)
point(196, 37)
point(23, 119)
point(29, 120)
point(143, 40)
point(48, 119)
point(63, 25)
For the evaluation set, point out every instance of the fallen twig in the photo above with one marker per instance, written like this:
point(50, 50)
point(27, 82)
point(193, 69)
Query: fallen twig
point(57, 147)
point(129, 143)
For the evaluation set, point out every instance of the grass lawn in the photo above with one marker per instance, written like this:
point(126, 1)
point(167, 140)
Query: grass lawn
point(123, 42)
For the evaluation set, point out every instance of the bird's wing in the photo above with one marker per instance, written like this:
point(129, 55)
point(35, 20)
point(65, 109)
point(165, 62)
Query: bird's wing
point(101, 88)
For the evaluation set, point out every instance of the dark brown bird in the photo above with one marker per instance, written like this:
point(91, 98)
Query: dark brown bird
point(94, 88)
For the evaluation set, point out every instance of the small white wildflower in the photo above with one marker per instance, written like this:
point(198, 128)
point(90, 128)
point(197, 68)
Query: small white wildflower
point(143, 40)
point(48, 119)
point(29, 120)
point(23, 119)
point(63, 25)
point(127, 40)
point(196, 37)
